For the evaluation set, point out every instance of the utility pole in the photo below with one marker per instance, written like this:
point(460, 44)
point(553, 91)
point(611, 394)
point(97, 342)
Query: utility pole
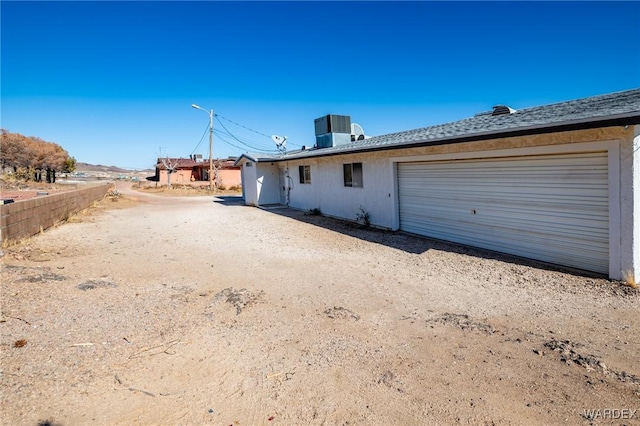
point(211, 150)
point(210, 143)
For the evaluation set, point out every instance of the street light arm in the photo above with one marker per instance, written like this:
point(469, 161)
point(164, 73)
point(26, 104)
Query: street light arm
point(202, 109)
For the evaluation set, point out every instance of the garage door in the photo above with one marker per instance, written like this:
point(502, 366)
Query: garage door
point(552, 208)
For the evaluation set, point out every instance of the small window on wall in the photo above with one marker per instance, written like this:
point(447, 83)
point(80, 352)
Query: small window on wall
point(305, 174)
point(353, 175)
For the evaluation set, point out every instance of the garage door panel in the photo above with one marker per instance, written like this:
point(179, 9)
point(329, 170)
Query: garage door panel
point(491, 201)
point(550, 208)
point(572, 231)
point(479, 192)
point(570, 174)
point(538, 215)
point(590, 256)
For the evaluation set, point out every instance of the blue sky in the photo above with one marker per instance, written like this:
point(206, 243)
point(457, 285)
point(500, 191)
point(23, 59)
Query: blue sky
point(113, 82)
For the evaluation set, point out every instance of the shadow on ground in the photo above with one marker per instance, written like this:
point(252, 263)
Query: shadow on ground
point(229, 200)
point(415, 244)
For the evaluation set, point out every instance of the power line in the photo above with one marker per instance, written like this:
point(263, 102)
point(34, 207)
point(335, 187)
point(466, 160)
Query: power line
point(261, 144)
point(234, 137)
point(248, 128)
point(223, 138)
point(201, 139)
point(245, 127)
point(229, 143)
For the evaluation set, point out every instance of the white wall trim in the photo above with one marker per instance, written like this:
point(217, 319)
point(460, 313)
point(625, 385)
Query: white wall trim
point(395, 201)
point(632, 242)
point(615, 218)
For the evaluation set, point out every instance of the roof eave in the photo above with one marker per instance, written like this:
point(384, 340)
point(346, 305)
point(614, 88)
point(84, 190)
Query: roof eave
point(242, 157)
point(609, 121)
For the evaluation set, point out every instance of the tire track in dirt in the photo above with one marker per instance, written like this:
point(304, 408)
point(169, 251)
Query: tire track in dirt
point(229, 337)
point(344, 309)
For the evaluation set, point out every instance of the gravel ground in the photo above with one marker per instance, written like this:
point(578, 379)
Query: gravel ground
point(157, 310)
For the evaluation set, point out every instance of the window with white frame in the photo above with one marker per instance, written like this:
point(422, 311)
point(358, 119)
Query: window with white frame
point(305, 174)
point(353, 175)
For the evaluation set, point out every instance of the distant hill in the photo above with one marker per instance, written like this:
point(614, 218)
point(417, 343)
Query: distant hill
point(85, 167)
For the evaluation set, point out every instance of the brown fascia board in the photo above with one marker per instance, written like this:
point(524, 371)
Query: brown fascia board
point(566, 127)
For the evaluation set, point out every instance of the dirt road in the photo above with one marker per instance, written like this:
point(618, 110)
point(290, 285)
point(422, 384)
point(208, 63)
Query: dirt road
point(157, 310)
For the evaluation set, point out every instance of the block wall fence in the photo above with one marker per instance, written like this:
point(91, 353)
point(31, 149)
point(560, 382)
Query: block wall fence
point(23, 219)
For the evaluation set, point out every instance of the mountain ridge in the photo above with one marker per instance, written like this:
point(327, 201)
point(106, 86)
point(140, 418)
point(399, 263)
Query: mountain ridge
point(87, 167)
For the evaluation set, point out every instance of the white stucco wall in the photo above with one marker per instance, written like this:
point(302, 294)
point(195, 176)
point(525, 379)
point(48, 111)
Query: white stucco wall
point(328, 193)
point(625, 256)
point(249, 187)
point(260, 183)
point(635, 220)
point(630, 205)
point(267, 183)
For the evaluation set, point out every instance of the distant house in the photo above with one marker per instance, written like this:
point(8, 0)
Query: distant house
point(558, 183)
point(195, 171)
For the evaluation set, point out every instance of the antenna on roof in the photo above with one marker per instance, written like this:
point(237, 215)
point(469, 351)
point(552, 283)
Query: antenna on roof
point(281, 143)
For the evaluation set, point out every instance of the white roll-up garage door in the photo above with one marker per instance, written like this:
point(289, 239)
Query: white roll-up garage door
point(552, 208)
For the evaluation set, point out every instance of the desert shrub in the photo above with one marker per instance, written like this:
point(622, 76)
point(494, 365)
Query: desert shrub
point(23, 173)
point(363, 217)
point(630, 279)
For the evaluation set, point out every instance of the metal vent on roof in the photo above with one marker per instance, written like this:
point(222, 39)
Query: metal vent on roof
point(502, 110)
point(482, 114)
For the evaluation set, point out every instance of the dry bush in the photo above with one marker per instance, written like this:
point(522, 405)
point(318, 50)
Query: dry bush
point(629, 278)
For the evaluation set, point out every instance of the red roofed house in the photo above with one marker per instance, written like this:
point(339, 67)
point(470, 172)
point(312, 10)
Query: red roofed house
point(195, 171)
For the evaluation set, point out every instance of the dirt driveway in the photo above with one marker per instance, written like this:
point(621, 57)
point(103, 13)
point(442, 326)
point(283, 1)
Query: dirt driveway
point(156, 310)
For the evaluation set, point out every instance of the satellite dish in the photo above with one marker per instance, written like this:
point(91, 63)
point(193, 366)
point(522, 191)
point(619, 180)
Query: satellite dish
point(279, 140)
point(281, 143)
point(357, 132)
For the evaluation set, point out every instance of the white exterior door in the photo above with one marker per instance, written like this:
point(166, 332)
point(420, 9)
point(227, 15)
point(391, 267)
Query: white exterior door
point(552, 208)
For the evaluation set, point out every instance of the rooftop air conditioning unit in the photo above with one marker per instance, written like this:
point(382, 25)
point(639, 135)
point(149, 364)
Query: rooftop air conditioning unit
point(333, 123)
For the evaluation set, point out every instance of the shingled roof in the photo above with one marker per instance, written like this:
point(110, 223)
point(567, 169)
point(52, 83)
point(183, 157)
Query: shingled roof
point(614, 109)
